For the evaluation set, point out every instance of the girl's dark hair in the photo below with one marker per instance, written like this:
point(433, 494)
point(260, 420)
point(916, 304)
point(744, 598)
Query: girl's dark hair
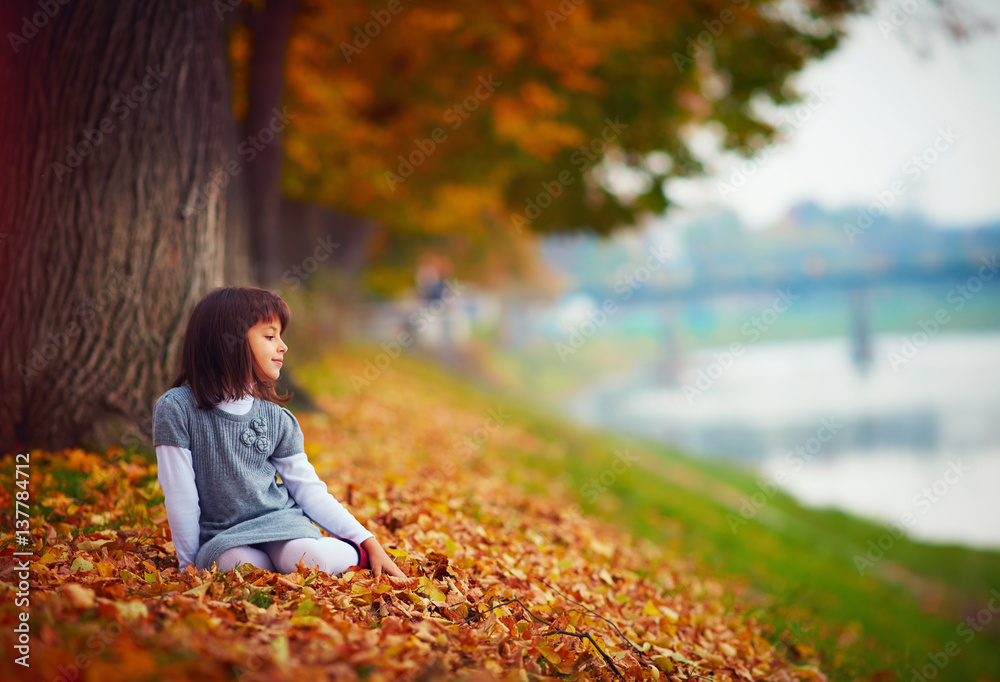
point(216, 358)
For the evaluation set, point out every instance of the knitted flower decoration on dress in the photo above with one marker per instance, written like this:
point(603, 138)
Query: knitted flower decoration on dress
point(254, 434)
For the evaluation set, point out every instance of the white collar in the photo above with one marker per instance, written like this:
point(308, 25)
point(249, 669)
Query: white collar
point(237, 405)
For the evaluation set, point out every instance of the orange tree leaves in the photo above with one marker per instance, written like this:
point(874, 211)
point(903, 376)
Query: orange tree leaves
point(495, 99)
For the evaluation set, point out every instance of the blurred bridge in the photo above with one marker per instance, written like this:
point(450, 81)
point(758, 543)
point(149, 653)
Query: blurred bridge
point(961, 278)
point(715, 284)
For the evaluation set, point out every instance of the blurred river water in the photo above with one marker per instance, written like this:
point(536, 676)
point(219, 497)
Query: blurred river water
point(916, 433)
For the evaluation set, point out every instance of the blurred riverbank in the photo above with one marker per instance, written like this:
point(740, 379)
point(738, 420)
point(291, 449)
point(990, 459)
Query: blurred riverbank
point(891, 432)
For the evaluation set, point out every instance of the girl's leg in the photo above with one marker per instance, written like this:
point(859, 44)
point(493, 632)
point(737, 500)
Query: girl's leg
point(244, 554)
point(328, 554)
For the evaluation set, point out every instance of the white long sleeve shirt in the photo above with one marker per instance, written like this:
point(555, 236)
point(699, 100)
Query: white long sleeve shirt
point(175, 473)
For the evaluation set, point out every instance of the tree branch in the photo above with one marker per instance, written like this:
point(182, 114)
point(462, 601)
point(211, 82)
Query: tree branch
point(636, 649)
point(554, 631)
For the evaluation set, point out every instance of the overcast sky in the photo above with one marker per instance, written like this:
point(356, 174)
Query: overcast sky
point(887, 103)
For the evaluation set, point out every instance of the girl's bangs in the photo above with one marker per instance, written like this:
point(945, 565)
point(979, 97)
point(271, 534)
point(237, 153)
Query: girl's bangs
point(267, 306)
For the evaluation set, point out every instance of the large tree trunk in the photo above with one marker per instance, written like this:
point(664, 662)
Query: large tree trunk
point(270, 26)
point(238, 268)
point(283, 232)
point(106, 245)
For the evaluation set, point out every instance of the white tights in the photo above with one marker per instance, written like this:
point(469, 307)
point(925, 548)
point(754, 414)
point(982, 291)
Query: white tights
point(328, 554)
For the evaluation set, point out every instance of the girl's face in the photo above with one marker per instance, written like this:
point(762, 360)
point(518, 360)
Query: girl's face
point(267, 346)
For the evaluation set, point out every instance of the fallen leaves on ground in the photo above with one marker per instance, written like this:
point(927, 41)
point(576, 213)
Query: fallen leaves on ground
point(502, 584)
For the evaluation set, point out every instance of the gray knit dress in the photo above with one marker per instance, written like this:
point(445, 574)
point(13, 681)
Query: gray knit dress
point(240, 498)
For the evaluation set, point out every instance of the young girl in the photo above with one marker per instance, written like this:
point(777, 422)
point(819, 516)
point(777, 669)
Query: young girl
point(221, 435)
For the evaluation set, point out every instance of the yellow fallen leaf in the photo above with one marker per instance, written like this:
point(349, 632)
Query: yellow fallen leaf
point(431, 590)
point(80, 564)
point(550, 654)
point(288, 583)
point(51, 554)
point(414, 598)
point(200, 589)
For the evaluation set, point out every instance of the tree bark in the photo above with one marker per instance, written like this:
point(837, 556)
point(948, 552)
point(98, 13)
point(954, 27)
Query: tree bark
point(271, 27)
point(238, 266)
point(117, 124)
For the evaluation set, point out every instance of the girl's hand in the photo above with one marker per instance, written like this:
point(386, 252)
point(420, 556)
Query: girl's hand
point(379, 560)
